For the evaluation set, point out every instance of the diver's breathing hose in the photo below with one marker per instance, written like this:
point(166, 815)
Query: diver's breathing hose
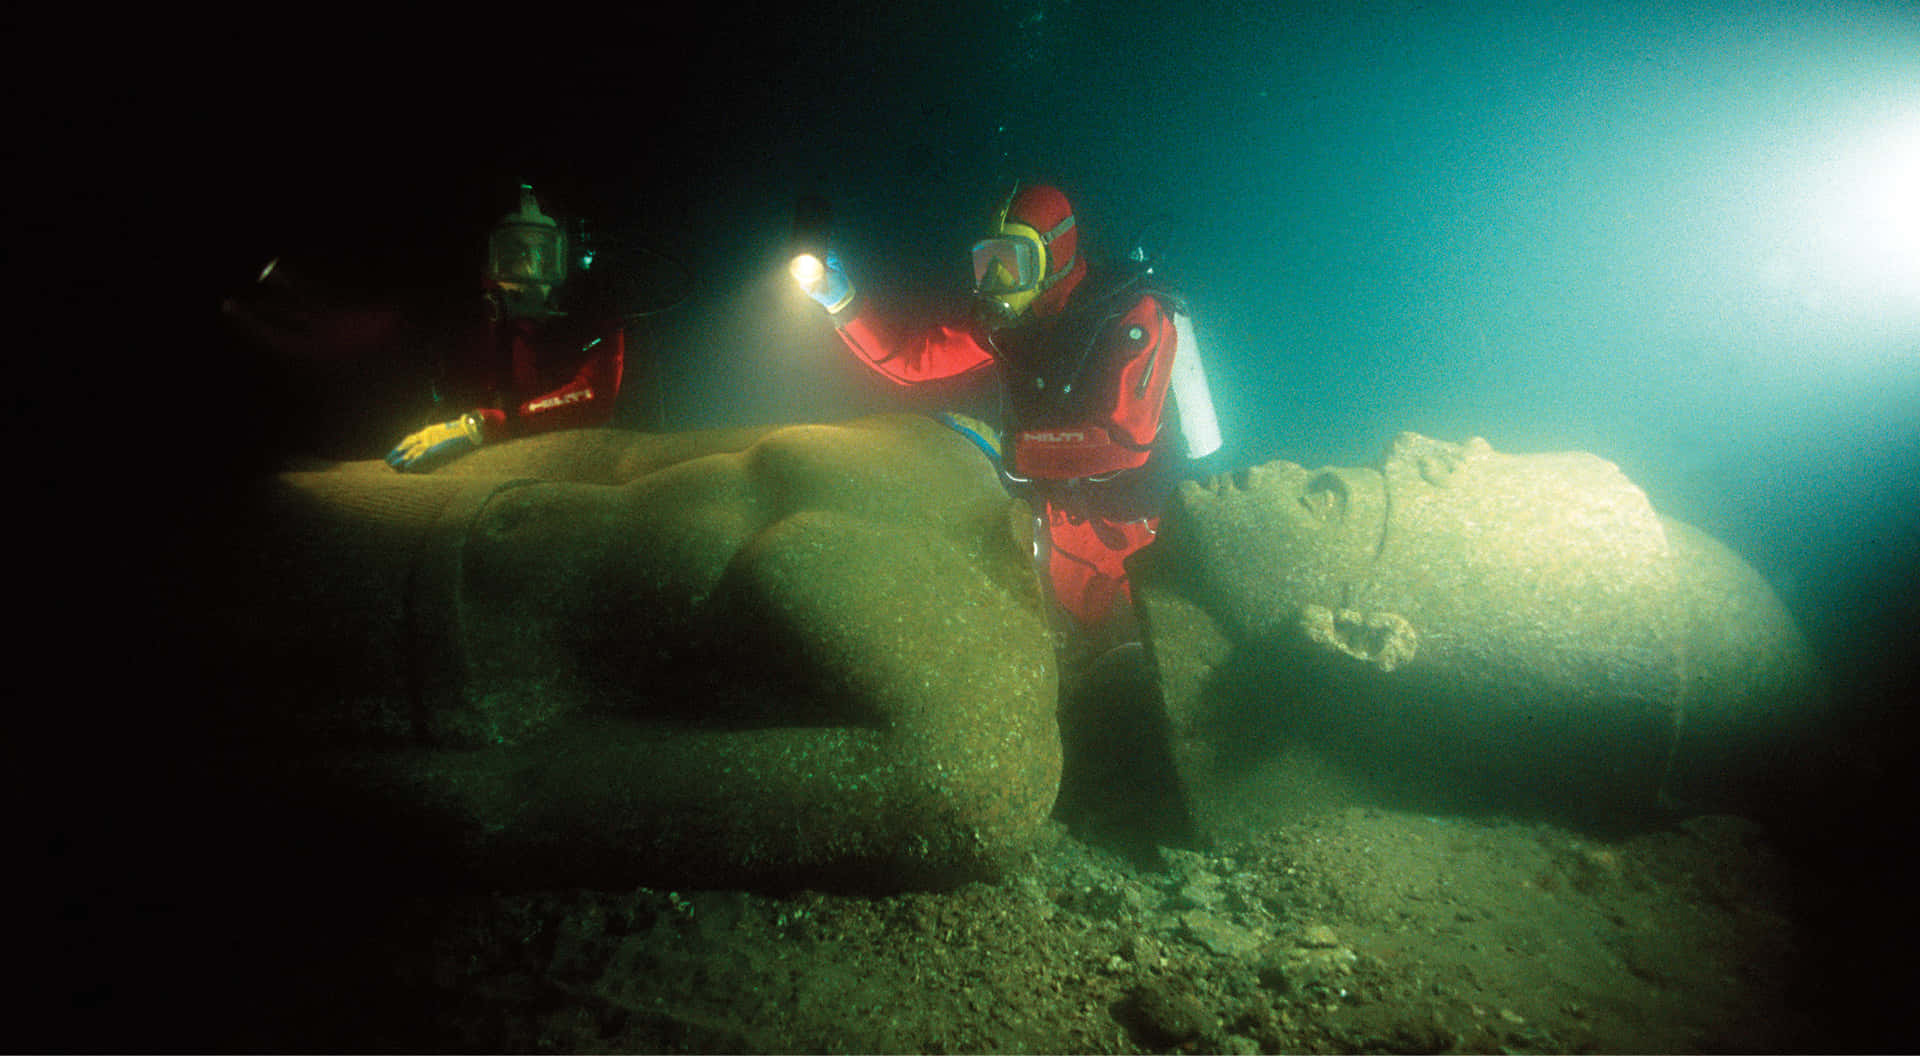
point(687, 285)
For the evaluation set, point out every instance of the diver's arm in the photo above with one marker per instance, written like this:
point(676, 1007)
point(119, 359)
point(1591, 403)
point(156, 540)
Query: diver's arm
point(586, 399)
point(942, 351)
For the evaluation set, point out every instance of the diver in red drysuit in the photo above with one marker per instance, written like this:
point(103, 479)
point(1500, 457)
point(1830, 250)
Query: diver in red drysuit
point(1086, 362)
point(528, 367)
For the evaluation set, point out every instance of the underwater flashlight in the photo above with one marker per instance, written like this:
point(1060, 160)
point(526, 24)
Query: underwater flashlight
point(812, 224)
point(806, 269)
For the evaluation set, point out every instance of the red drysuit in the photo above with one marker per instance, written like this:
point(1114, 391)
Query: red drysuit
point(532, 376)
point(1085, 392)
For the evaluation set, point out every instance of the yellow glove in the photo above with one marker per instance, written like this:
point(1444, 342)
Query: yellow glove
point(435, 444)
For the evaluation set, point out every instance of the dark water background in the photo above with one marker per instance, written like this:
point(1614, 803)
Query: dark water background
point(1684, 236)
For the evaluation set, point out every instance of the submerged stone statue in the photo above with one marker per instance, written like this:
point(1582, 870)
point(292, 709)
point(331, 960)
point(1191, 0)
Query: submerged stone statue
point(806, 655)
point(1462, 627)
point(817, 655)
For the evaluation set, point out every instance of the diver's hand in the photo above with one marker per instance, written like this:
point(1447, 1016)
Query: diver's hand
point(823, 280)
point(441, 442)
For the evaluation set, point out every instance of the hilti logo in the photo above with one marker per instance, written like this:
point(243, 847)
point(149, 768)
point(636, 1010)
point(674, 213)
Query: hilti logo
point(560, 401)
point(1061, 436)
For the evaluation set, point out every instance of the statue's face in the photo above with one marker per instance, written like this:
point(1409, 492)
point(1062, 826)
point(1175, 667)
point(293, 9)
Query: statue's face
point(1522, 629)
point(1269, 539)
point(1286, 498)
point(1477, 548)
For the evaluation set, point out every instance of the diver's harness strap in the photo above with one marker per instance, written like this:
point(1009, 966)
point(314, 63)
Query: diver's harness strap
point(1035, 390)
point(1080, 330)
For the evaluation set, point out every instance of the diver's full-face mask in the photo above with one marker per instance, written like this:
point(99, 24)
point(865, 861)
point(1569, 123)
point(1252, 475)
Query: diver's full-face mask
point(1007, 272)
point(527, 253)
point(526, 258)
point(1012, 268)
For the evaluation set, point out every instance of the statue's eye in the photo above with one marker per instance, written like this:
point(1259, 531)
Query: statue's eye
point(1326, 498)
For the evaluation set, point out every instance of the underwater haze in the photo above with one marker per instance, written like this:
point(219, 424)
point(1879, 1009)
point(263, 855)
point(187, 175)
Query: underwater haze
point(1682, 236)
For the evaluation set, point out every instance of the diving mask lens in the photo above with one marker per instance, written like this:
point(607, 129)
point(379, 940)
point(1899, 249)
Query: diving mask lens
point(526, 253)
point(1005, 265)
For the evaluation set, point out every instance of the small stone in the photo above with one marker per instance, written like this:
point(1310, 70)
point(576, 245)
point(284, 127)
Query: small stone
point(1202, 892)
point(1320, 936)
point(1218, 934)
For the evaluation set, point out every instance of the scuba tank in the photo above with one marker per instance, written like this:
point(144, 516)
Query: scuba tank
point(1188, 392)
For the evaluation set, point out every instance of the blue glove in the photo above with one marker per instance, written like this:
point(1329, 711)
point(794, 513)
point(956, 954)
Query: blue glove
point(435, 444)
point(826, 282)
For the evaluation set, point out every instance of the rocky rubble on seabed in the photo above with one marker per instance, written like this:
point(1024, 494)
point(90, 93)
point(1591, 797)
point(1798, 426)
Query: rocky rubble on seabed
point(1356, 930)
